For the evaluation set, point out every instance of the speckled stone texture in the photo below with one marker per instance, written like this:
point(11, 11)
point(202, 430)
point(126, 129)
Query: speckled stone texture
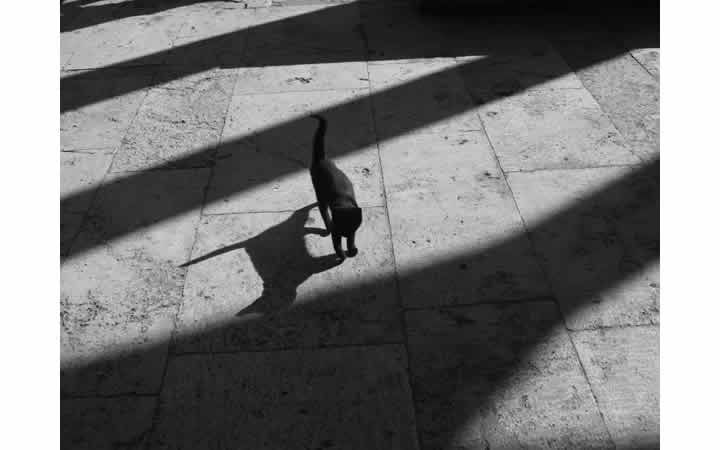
point(262, 169)
point(100, 125)
point(449, 203)
point(306, 77)
point(213, 34)
point(306, 34)
point(80, 171)
point(275, 283)
point(392, 32)
point(555, 126)
point(506, 290)
point(70, 224)
point(135, 40)
point(99, 424)
point(338, 398)
point(119, 298)
point(177, 121)
point(500, 376)
point(623, 366)
point(606, 241)
point(423, 96)
point(626, 91)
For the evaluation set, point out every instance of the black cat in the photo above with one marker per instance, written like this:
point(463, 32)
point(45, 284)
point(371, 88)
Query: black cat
point(335, 193)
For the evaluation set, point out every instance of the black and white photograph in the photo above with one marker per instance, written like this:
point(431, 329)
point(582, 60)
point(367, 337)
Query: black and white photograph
point(354, 225)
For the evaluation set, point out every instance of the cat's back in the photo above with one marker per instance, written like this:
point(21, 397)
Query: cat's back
point(326, 176)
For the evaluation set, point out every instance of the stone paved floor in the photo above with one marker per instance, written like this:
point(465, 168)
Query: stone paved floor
point(506, 293)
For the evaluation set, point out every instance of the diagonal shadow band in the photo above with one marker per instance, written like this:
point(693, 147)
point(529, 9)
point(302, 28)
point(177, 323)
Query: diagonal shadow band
point(80, 14)
point(488, 79)
point(488, 360)
point(343, 38)
point(492, 340)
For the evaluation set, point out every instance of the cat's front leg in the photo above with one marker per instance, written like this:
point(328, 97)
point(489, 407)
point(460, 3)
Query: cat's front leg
point(351, 249)
point(337, 244)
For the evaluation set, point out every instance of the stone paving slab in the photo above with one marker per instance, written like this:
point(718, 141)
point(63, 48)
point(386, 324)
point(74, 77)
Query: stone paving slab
point(641, 35)
point(496, 37)
point(271, 287)
point(81, 171)
point(306, 35)
point(214, 19)
point(650, 59)
point(119, 299)
point(66, 52)
point(70, 224)
point(589, 252)
point(423, 96)
point(99, 424)
point(337, 398)
point(392, 31)
point(302, 77)
point(551, 129)
point(100, 125)
point(250, 115)
point(624, 89)
point(279, 183)
point(448, 200)
point(177, 120)
point(136, 40)
point(512, 70)
point(270, 171)
point(500, 376)
point(80, 174)
point(623, 366)
point(212, 34)
point(399, 32)
point(225, 51)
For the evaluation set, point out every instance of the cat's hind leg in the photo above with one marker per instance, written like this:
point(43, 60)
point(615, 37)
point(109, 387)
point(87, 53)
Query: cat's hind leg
point(325, 214)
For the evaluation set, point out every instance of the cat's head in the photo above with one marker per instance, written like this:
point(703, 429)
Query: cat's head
point(347, 220)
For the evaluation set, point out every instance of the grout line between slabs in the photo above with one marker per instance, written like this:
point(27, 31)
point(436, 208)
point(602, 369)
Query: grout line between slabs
point(630, 148)
point(176, 318)
point(396, 277)
point(101, 183)
point(627, 143)
point(107, 396)
point(630, 53)
point(519, 301)
point(300, 349)
point(90, 150)
point(201, 214)
point(614, 327)
point(590, 386)
point(569, 169)
point(114, 66)
point(298, 91)
point(546, 275)
point(541, 266)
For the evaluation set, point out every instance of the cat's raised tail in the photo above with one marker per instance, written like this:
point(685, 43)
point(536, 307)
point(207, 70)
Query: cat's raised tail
point(319, 140)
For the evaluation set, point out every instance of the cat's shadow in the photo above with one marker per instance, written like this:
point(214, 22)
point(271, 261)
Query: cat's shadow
point(282, 261)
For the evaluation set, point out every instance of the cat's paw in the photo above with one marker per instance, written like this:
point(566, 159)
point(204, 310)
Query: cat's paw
point(352, 252)
point(340, 255)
